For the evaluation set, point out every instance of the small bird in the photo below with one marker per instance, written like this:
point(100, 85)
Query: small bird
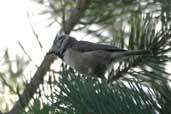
point(87, 57)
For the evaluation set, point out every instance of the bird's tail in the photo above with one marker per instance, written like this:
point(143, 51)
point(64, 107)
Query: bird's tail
point(123, 54)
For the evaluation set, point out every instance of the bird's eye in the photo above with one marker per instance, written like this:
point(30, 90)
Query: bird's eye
point(58, 40)
point(61, 37)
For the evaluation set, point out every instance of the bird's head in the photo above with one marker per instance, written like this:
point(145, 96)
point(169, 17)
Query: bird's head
point(59, 45)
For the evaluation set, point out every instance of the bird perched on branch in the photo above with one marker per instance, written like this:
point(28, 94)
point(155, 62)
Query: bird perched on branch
point(89, 58)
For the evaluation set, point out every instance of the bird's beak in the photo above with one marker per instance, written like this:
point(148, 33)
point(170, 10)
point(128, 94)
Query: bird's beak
point(54, 51)
point(51, 51)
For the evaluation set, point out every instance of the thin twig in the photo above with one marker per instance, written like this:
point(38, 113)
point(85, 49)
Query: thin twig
point(6, 83)
point(34, 32)
point(29, 57)
point(63, 12)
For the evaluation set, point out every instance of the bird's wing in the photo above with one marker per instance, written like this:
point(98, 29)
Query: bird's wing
point(85, 46)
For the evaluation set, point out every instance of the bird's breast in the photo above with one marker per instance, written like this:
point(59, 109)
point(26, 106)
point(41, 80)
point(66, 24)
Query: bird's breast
point(76, 60)
point(92, 62)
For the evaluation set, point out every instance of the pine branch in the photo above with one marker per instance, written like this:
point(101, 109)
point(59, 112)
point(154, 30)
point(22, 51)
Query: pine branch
point(157, 44)
point(87, 95)
point(122, 72)
point(37, 79)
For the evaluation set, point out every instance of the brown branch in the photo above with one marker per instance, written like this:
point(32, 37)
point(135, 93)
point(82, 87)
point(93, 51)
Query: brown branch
point(75, 15)
point(32, 87)
point(37, 79)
